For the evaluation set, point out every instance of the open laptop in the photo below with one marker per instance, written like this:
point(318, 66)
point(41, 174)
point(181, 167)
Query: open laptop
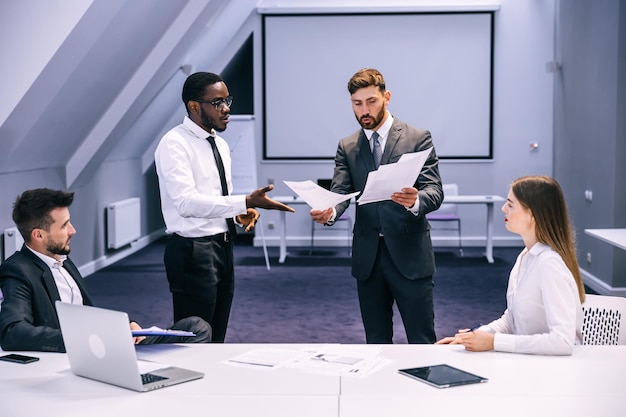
point(99, 346)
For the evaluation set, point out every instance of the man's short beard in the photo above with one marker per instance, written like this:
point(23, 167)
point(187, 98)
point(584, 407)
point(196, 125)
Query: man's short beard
point(58, 249)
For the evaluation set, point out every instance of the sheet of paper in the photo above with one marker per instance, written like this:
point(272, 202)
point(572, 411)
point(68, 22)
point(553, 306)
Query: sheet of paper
point(349, 361)
point(391, 178)
point(317, 197)
point(157, 331)
point(264, 358)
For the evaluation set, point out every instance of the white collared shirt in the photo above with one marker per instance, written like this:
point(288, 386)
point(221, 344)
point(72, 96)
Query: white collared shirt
point(544, 314)
point(191, 193)
point(383, 132)
point(66, 286)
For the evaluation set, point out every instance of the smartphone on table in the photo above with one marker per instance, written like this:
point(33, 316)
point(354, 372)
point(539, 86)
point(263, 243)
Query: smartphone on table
point(16, 358)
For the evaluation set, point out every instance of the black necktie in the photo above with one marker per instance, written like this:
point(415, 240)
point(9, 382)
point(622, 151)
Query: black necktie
point(220, 168)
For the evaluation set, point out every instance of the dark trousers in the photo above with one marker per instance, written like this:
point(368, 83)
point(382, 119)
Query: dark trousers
point(200, 272)
point(414, 299)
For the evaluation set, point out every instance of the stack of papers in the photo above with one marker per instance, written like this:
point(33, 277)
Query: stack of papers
point(380, 185)
point(338, 360)
point(391, 178)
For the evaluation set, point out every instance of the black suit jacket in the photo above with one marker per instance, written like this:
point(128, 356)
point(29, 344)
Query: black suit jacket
point(406, 235)
point(28, 318)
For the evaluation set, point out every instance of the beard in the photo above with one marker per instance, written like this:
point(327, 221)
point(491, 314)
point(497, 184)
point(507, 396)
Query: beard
point(375, 120)
point(58, 248)
point(209, 123)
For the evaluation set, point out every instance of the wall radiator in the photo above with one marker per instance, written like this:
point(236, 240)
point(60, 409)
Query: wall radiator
point(123, 222)
point(12, 241)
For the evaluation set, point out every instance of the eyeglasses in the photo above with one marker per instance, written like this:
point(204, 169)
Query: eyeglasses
point(218, 103)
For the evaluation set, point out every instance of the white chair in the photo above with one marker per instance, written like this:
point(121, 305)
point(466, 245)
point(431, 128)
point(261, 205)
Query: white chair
point(344, 219)
point(604, 320)
point(447, 213)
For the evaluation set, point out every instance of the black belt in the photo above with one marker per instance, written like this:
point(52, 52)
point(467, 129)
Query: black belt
point(219, 237)
point(222, 237)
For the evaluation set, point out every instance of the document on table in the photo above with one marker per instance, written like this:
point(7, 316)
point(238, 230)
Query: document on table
point(264, 358)
point(391, 178)
point(157, 331)
point(327, 359)
point(340, 360)
point(317, 197)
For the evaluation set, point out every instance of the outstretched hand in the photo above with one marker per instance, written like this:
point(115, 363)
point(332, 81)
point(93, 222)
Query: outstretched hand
point(258, 198)
point(249, 219)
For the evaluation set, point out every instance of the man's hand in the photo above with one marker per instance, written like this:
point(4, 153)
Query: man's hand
point(321, 216)
point(249, 219)
point(407, 197)
point(258, 199)
point(135, 326)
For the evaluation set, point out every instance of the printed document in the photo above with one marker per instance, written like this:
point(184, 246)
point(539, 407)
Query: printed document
point(391, 178)
point(317, 197)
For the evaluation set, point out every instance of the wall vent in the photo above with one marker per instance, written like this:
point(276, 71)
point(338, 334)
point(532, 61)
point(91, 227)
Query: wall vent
point(123, 222)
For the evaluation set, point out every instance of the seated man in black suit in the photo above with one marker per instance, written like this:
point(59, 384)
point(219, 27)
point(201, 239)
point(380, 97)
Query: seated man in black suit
point(33, 278)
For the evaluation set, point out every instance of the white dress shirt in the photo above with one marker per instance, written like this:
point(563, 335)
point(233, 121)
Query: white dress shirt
point(191, 193)
point(66, 286)
point(544, 313)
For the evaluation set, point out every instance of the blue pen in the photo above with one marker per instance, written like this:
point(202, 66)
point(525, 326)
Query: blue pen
point(474, 328)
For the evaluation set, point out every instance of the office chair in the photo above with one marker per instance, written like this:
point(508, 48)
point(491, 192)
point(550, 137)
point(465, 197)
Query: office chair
point(447, 213)
point(344, 219)
point(604, 320)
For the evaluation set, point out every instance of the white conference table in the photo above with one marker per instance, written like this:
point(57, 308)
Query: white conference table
point(590, 382)
point(48, 387)
point(615, 237)
point(487, 200)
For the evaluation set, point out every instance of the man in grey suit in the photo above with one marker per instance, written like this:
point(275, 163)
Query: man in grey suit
point(392, 254)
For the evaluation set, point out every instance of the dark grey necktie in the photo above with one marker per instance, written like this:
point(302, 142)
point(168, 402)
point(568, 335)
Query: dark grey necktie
point(220, 167)
point(378, 150)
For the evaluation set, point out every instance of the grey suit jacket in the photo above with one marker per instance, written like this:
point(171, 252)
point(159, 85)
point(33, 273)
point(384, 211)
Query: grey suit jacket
point(406, 235)
point(28, 318)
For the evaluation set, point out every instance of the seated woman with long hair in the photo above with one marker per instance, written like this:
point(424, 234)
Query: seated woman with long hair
point(545, 289)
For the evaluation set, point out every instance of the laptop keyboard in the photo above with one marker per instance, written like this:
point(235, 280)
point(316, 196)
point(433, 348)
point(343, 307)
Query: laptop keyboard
point(148, 378)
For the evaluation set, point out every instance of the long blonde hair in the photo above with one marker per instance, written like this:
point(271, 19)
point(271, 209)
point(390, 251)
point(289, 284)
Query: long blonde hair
point(543, 196)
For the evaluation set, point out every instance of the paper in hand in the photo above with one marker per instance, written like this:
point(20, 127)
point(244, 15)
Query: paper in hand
point(315, 196)
point(391, 178)
point(157, 331)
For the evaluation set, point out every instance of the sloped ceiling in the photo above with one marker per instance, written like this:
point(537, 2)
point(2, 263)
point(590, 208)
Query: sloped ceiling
point(110, 83)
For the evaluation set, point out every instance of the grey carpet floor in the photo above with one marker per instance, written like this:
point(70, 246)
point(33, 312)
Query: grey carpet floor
point(309, 298)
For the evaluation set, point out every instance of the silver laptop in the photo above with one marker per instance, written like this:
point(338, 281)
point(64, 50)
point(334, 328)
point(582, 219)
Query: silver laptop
point(99, 346)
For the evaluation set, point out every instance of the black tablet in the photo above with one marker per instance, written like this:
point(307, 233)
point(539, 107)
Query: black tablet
point(442, 376)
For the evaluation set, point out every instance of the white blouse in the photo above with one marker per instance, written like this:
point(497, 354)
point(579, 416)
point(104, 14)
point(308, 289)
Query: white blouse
point(544, 314)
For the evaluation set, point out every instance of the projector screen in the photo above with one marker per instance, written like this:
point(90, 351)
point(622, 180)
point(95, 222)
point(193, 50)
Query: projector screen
point(437, 66)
